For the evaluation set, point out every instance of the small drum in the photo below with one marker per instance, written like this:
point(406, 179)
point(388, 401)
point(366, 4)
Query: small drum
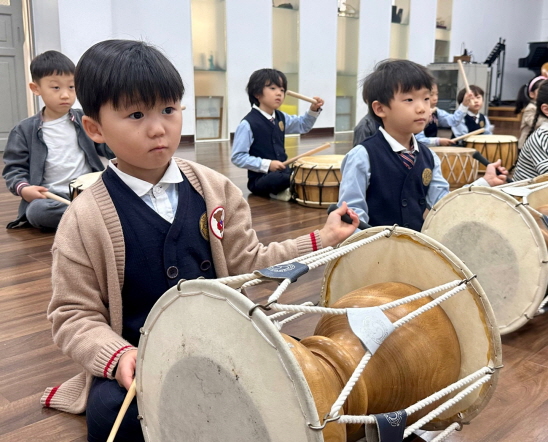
point(458, 166)
point(497, 232)
point(316, 179)
point(199, 378)
point(494, 147)
point(77, 186)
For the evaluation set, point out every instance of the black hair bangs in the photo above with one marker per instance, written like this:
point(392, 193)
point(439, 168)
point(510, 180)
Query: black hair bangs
point(50, 63)
point(261, 79)
point(391, 77)
point(125, 73)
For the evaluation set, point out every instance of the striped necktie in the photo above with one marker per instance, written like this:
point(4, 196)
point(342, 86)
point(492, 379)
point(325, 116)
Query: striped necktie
point(408, 158)
point(272, 121)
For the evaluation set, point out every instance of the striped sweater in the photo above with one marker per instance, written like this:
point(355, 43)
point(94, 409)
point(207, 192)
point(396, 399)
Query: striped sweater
point(533, 158)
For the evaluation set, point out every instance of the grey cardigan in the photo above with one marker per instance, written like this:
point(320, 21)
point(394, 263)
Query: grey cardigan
point(26, 153)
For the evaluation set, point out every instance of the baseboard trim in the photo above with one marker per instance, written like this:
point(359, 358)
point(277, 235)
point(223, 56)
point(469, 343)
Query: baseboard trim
point(187, 139)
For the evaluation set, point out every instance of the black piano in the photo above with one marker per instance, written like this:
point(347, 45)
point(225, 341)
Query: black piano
point(538, 55)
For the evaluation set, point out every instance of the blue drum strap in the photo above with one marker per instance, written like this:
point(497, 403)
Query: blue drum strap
point(389, 427)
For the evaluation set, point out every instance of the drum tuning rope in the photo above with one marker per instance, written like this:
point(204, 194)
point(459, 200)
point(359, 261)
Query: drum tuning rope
point(455, 426)
point(473, 380)
point(342, 311)
point(363, 363)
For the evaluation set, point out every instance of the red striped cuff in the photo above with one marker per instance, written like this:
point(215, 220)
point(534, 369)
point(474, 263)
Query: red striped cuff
point(314, 243)
point(111, 360)
point(50, 395)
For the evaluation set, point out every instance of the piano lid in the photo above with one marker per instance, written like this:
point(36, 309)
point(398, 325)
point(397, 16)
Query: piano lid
point(538, 55)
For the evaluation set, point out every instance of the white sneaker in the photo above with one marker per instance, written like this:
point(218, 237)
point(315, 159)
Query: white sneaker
point(284, 195)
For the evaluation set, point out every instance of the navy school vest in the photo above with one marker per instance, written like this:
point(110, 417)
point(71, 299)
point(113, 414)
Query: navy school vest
point(158, 254)
point(268, 139)
point(431, 129)
point(396, 194)
point(471, 122)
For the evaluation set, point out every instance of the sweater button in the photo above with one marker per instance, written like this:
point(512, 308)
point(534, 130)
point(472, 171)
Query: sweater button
point(422, 201)
point(172, 272)
point(404, 203)
point(205, 265)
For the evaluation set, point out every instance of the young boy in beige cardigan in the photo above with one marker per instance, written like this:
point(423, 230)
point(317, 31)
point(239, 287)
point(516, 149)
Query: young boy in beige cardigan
point(150, 221)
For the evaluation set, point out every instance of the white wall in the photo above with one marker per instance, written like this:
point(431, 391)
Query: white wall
point(422, 31)
point(518, 22)
point(45, 22)
point(318, 56)
point(248, 48)
point(82, 24)
point(374, 41)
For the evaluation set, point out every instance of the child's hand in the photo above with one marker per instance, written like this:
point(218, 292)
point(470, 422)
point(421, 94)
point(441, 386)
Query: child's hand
point(276, 165)
point(335, 229)
point(491, 174)
point(318, 105)
point(468, 98)
point(446, 142)
point(31, 193)
point(126, 368)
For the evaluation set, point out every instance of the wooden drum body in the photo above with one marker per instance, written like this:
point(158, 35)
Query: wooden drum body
point(494, 147)
point(316, 179)
point(77, 186)
point(422, 262)
point(209, 369)
point(500, 240)
point(458, 166)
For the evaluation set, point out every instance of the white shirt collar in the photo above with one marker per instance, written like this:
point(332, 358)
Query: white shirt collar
point(265, 114)
point(473, 114)
point(140, 187)
point(398, 147)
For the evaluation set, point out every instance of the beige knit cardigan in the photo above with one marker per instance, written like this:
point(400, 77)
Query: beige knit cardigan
point(88, 274)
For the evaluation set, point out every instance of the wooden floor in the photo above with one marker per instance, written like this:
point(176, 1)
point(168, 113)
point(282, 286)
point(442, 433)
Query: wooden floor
point(29, 361)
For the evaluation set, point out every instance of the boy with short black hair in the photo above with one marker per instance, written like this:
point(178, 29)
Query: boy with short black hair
point(391, 178)
point(260, 137)
point(47, 151)
point(474, 119)
point(152, 220)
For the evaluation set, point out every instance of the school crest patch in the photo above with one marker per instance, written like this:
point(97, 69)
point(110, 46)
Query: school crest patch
point(203, 226)
point(482, 124)
point(217, 222)
point(281, 124)
point(426, 176)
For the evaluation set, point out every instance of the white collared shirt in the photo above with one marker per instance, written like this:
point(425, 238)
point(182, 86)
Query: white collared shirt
point(398, 147)
point(162, 197)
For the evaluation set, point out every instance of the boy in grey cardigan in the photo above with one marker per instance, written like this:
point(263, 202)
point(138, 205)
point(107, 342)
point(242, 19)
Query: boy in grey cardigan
point(48, 150)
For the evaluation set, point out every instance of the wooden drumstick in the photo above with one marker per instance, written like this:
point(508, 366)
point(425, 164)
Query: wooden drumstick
point(461, 67)
point(301, 97)
point(475, 132)
point(183, 107)
point(52, 196)
point(310, 152)
point(127, 401)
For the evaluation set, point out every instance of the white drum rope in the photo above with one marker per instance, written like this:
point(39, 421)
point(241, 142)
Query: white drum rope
point(445, 406)
point(342, 311)
point(455, 426)
point(280, 324)
point(349, 419)
point(361, 366)
point(541, 306)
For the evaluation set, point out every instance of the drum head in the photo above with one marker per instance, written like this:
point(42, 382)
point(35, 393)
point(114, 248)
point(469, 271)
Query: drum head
point(413, 258)
point(208, 372)
point(491, 139)
point(320, 161)
point(500, 241)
